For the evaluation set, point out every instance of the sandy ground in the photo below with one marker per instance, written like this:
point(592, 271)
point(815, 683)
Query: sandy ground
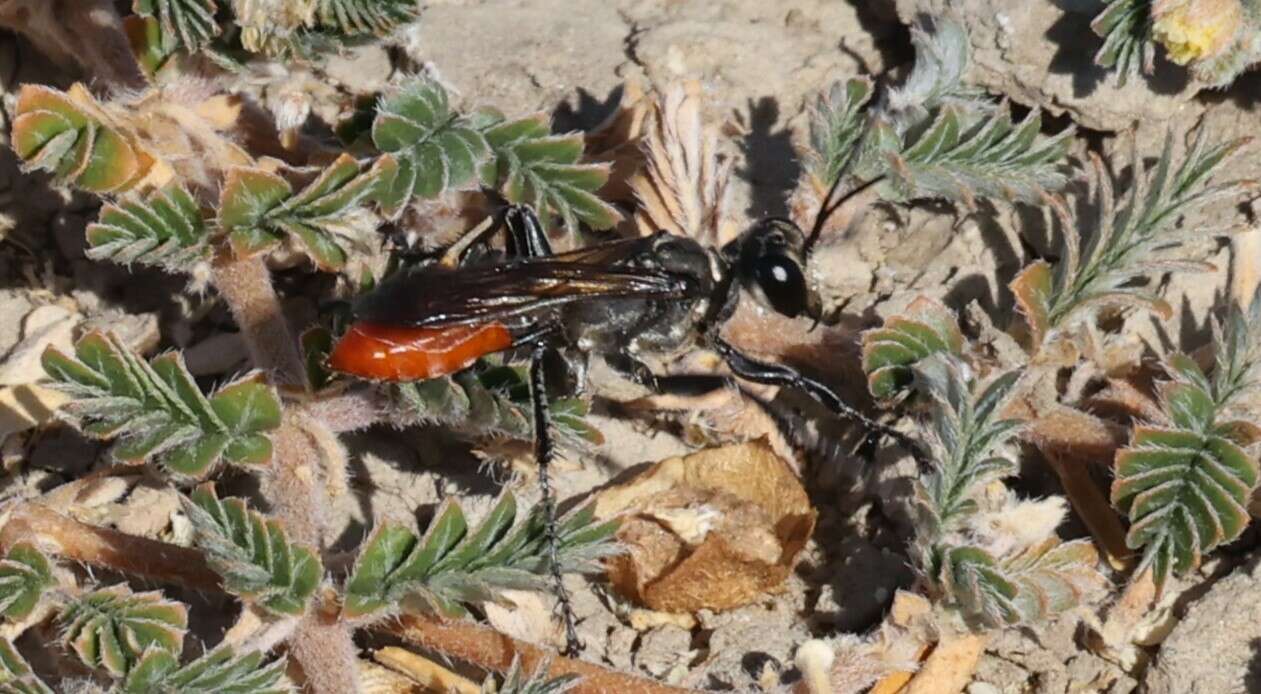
point(759, 63)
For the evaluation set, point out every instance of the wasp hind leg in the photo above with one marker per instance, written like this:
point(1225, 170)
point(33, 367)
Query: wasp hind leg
point(543, 450)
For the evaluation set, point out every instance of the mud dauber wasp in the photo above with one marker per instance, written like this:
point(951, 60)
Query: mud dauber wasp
point(621, 299)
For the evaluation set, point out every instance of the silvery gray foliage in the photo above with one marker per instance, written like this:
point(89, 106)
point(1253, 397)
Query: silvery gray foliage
point(934, 137)
point(942, 55)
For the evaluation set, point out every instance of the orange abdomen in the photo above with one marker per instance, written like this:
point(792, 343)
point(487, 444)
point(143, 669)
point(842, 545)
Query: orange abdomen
point(400, 353)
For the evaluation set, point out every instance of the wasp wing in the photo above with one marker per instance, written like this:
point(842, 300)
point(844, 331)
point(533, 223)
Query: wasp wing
point(436, 296)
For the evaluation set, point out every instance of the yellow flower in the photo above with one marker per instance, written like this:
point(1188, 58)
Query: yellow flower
point(1193, 30)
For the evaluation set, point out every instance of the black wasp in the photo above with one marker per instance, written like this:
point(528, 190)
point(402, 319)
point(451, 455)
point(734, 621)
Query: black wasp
point(621, 299)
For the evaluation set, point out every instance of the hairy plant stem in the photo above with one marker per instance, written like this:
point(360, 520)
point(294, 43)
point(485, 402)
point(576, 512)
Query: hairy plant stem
point(295, 484)
point(245, 285)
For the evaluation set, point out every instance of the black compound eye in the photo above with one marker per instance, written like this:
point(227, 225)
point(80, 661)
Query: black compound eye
point(782, 284)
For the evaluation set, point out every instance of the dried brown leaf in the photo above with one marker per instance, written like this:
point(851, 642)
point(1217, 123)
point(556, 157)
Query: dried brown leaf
point(712, 530)
point(682, 187)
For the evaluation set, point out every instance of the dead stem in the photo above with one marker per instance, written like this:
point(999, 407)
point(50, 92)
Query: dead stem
point(129, 554)
point(1094, 509)
point(425, 671)
point(950, 666)
point(491, 650)
point(245, 285)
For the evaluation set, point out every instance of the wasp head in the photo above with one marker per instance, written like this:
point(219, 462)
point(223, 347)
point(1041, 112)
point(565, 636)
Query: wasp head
point(769, 261)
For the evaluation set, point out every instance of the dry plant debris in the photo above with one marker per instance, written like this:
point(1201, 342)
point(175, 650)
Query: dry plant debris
point(175, 520)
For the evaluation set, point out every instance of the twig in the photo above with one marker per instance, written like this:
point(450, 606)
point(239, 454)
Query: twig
point(425, 671)
point(1094, 509)
point(1246, 275)
point(137, 556)
point(491, 650)
point(950, 666)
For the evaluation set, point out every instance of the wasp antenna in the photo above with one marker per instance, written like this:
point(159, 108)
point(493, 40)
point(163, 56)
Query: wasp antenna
point(826, 209)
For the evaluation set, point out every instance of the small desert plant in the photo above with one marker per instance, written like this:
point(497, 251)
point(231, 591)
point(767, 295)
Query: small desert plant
point(132, 638)
point(1185, 482)
point(217, 216)
point(932, 137)
point(1217, 39)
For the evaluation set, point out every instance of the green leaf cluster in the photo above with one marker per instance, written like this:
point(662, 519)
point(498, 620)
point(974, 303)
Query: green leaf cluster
point(933, 137)
point(55, 133)
point(25, 573)
point(439, 150)
point(1185, 483)
point(517, 681)
point(891, 351)
point(1017, 586)
point(1101, 260)
point(156, 410)
point(252, 553)
point(454, 564)
point(494, 400)
point(164, 229)
point(186, 24)
point(1126, 29)
point(220, 671)
point(327, 219)
point(111, 628)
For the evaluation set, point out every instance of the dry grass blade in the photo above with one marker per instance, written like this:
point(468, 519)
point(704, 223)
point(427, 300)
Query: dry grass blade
point(682, 187)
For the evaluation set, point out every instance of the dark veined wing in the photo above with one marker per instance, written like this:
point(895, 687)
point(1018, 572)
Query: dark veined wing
point(435, 296)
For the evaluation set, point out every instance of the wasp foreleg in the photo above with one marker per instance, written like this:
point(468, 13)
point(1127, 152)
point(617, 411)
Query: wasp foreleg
point(751, 369)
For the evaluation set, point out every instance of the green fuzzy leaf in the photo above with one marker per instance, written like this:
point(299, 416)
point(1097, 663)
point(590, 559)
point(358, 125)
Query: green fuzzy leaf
point(958, 156)
point(453, 565)
point(110, 628)
point(156, 410)
point(534, 167)
point(25, 574)
point(1185, 487)
point(164, 229)
point(253, 554)
point(188, 24)
point(365, 17)
point(491, 400)
point(517, 681)
point(1122, 244)
point(891, 351)
point(326, 218)
point(967, 443)
point(220, 671)
point(837, 124)
point(1126, 28)
point(51, 132)
point(16, 675)
point(437, 149)
point(1029, 586)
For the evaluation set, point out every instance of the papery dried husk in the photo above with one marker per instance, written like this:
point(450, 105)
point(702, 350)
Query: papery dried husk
point(713, 530)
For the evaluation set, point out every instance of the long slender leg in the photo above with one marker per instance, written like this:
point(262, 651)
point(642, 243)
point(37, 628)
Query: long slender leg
point(673, 384)
point(758, 371)
point(526, 236)
point(543, 456)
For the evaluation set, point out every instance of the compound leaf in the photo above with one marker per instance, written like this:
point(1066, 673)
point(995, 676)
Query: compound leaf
point(110, 628)
point(25, 573)
point(252, 553)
